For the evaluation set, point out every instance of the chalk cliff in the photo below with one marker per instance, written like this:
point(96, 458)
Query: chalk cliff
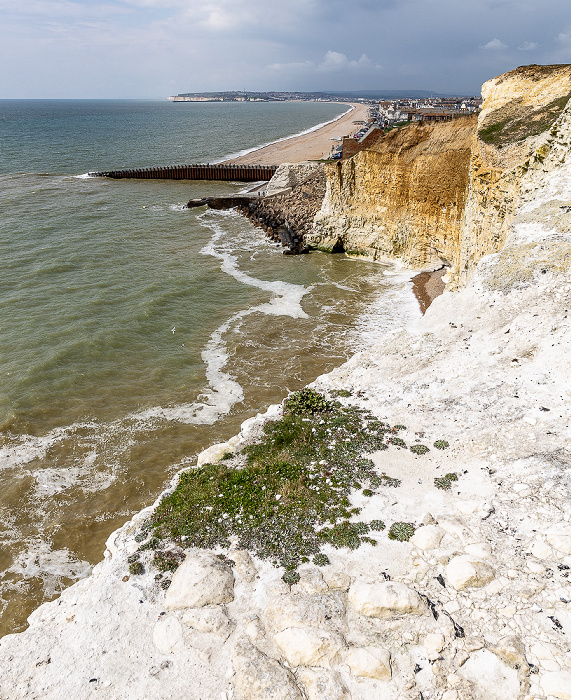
point(476, 604)
point(447, 193)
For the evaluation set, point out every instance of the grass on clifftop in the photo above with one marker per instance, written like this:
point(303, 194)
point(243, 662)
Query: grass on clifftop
point(287, 494)
point(513, 123)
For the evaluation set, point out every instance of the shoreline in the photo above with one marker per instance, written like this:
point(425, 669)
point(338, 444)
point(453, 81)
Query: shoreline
point(312, 144)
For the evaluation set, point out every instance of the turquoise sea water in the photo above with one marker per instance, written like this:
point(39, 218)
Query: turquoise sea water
point(135, 332)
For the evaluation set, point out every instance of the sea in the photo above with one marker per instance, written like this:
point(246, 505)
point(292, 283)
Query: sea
point(135, 332)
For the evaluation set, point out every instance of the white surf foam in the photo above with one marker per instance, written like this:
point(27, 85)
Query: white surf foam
point(39, 560)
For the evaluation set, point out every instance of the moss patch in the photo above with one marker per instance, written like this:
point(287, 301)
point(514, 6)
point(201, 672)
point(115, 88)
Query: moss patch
point(286, 495)
point(445, 482)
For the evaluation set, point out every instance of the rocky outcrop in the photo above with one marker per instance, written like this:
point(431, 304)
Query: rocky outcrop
point(293, 197)
point(448, 193)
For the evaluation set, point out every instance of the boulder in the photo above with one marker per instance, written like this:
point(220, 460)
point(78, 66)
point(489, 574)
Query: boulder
point(427, 537)
point(202, 579)
point(491, 678)
point(309, 646)
point(465, 571)
point(209, 620)
point(168, 635)
point(304, 611)
point(557, 684)
point(433, 643)
point(322, 685)
point(258, 677)
point(385, 599)
point(370, 662)
point(311, 581)
point(559, 537)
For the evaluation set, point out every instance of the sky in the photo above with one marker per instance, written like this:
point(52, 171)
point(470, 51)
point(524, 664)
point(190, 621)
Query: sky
point(157, 48)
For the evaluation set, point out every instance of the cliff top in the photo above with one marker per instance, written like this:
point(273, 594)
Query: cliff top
point(523, 103)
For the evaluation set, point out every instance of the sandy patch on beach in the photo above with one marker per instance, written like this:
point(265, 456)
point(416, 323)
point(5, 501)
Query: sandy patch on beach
point(312, 146)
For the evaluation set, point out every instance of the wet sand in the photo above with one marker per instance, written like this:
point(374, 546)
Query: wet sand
point(312, 146)
point(427, 286)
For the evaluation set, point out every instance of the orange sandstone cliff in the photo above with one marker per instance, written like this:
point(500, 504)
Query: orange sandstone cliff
point(446, 193)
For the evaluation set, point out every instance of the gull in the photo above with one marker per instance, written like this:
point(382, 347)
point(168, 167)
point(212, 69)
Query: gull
point(173, 329)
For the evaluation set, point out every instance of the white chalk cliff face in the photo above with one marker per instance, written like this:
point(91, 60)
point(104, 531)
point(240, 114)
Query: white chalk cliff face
point(476, 606)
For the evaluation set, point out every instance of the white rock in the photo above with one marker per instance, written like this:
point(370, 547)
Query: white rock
point(337, 580)
point(466, 571)
point(303, 611)
point(257, 677)
point(309, 646)
point(535, 567)
point(450, 695)
point(541, 550)
point(214, 453)
point(323, 685)
point(311, 581)
point(427, 537)
point(491, 678)
point(480, 550)
point(244, 568)
point(559, 537)
point(254, 628)
point(202, 579)
point(385, 599)
point(370, 662)
point(209, 620)
point(511, 650)
point(433, 643)
point(167, 634)
point(557, 684)
point(455, 528)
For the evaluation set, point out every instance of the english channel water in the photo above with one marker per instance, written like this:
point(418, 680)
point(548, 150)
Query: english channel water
point(135, 332)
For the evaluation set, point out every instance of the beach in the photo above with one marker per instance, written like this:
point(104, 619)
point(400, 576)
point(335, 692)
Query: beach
point(313, 145)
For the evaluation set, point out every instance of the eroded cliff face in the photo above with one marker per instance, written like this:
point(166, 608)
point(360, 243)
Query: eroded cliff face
point(404, 198)
point(523, 131)
point(447, 193)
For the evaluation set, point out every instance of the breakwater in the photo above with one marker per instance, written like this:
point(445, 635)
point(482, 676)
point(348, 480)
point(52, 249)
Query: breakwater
point(221, 171)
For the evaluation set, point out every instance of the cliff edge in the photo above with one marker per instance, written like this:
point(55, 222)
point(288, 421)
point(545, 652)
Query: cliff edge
point(445, 573)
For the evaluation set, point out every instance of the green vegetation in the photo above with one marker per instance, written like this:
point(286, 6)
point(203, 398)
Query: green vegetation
point(306, 402)
point(401, 531)
point(136, 568)
point(419, 449)
point(168, 560)
point(445, 482)
point(514, 123)
point(377, 525)
point(285, 496)
point(321, 560)
point(441, 444)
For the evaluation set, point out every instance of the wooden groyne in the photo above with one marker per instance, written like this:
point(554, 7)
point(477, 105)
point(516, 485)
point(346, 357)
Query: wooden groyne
point(222, 171)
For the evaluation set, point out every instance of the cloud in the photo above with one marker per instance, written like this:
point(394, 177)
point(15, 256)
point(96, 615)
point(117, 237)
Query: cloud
point(132, 48)
point(494, 45)
point(335, 61)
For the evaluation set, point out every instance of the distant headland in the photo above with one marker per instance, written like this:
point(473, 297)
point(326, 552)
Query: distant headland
point(352, 96)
